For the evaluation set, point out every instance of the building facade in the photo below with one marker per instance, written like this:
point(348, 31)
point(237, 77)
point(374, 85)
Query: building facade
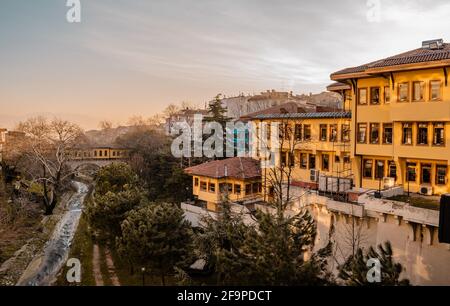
point(401, 119)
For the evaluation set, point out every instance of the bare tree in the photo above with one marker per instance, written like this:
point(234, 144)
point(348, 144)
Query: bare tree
point(47, 151)
point(106, 125)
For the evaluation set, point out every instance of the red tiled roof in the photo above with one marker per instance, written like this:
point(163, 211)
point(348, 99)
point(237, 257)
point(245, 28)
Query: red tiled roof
point(236, 167)
point(289, 107)
point(415, 56)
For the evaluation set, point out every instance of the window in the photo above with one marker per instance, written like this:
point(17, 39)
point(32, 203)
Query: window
point(418, 91)
point(337, 159)
point(312, 161)
point(345, 133)
point(323, 132)
point(362, 96)
point(422, 133)
point(212, 187)
point(368, 168)
point(203, 186)
point(333, 132)
point(325, 162)
point(438, 134)
point(407, 134)
point(196, 182)
point(392, 170)
point(284, 131)
point(95, 153)
point(441, 175)
point(268, 131)
point(425, 176)
point(435, 90)
point(248, 189)
point(362, 132)
point(291, 159)
point(387, 133)
point(306, 132)
point(255, 187)
point(346, 158)
point(284, 158)
point(303, 160)
point(379, 170)
point(106, 153)
point(387, 95)
point(101, 153)
point(375, 133)
point(226, 187)
point(237, 189)
point(375, 95)
point(411, 172)
point(403, 92)
point(298, 132)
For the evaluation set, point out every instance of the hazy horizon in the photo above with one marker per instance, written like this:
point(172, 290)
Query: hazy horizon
point(135, 57)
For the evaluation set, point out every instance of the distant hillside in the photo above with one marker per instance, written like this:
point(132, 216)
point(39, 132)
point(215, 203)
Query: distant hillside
point(107, 137)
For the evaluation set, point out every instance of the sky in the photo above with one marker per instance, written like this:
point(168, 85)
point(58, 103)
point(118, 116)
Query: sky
point(134, 57)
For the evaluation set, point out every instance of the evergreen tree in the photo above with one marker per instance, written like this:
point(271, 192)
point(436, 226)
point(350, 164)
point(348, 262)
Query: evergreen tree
point(217, 112)
point(157, 236)
point(354, 271)
point(273, 253)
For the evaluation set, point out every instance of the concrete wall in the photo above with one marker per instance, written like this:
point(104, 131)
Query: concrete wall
point(412, 232)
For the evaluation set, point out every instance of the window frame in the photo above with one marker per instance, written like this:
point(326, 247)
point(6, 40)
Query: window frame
point(359, 132)
point(345, 132)
point(422, 86)
point(359, 96)
point(323, 127)
point(408, 96)
point(437, 175)
point(327, 169)
point(365, 162)
point(441, 89)
point(418, 127)
point(307, 128)
point(379, 95)
point(387, 101)
point(403, 134)
point(385, 125)
point(371, 125)
point(434, 143)
point(301, 164)
point(336, 135)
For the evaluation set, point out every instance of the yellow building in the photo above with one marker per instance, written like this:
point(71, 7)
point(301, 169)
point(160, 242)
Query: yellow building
point(401, 119)
point(237, 179)
point(311, 144)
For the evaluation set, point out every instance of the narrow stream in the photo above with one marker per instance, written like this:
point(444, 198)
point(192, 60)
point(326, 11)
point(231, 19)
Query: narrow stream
point(57, 248)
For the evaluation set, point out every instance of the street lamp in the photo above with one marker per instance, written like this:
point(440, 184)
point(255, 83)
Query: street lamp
point(143, 276)
point(380, 164)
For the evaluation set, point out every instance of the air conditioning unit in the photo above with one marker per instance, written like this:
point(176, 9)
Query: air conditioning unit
point(314, 175)
point(426, 190)
point(388, 182)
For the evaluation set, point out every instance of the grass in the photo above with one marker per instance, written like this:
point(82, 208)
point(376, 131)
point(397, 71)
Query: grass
point(417, 201)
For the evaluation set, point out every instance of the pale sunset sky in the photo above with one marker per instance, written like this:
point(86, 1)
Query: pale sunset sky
point(134, 57)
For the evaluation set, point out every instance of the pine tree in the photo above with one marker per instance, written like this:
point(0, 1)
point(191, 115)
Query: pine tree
point(354, 271)
point(217, 112)
point(157, 236)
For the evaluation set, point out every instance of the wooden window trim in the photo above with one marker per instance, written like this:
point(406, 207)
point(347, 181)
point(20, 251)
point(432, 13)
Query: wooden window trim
point(379, 95)
point(370, 133)
point(364, 169)
point(320, 132)
point(365, 137)
point(441, 93)
point(408, 99)
point(412, 135)
point(383, 134)
point(423, 84)
point(417, 134)
point(384, 95)
point(359, 96)
point(445, 135)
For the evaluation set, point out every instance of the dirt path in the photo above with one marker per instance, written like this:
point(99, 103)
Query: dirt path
point(96, 266)
point(111, 268)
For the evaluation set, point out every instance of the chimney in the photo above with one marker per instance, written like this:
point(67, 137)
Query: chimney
point(434, 44)
point(225, 170)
